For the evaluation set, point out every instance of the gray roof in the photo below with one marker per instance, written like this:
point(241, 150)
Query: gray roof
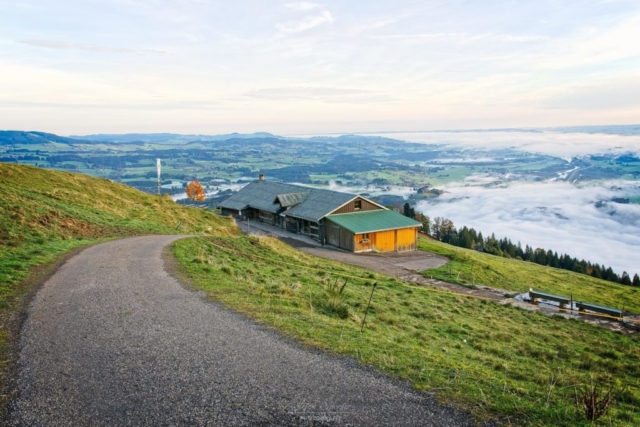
point(259, 195)
point(308, 203)
point(288, 200)
point(319, 203)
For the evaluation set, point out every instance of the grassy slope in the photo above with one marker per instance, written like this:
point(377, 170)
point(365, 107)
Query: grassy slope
point(44, 214)
point(495, 360)
point(519, 276)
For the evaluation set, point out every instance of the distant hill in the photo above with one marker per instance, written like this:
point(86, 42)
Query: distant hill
point(624, 130)
point(130, 137)
point(160, 138)
point(15, 137)
point(11, 137)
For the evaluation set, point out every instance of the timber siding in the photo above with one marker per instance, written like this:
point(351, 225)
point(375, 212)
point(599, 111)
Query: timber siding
point(379, 230)
point(401, 240)
point(365, 205)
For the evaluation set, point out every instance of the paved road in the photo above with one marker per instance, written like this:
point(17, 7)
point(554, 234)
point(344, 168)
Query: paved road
point(112, 339)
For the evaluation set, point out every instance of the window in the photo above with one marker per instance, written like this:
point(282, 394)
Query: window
point(358, 204)
point(364, 238)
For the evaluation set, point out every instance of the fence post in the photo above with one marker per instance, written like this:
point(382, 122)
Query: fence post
point(369, 304)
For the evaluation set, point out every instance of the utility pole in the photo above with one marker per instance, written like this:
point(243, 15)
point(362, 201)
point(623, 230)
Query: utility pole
point(158, 166)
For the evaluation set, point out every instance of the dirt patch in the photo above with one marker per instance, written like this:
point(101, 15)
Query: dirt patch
point(391, 263)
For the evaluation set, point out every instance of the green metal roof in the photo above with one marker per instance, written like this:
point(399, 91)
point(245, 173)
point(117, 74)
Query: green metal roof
point(372, 221)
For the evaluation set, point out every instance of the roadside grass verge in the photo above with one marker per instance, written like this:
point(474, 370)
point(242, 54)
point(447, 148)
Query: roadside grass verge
point(496, 361)
point(519, 276)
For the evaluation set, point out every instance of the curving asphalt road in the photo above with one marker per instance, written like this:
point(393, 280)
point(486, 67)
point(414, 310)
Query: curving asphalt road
point(112, 339)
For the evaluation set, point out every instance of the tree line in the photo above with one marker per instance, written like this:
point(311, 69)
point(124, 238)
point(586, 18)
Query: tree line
point(444, 230)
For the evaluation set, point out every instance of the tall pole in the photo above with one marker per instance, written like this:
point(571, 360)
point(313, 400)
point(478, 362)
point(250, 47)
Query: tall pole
point(158, 167)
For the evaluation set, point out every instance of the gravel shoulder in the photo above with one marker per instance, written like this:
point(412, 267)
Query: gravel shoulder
point(113, 339)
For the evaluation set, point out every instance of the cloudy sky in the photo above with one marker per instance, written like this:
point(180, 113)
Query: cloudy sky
point(209, 66)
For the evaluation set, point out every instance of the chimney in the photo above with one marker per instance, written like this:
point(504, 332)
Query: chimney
point(261, 177)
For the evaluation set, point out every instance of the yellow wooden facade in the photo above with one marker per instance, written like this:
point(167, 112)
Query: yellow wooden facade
point(400, 240)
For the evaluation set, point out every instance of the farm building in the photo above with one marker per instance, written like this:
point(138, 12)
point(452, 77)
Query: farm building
point(347, 221)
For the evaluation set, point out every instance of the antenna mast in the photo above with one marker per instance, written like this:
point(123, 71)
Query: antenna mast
point(158, 166)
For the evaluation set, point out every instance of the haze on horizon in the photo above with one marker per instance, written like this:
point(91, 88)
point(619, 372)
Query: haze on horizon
point(200, 66)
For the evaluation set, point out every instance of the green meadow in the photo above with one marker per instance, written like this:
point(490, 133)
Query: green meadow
point(499, 362)
point(469, 267)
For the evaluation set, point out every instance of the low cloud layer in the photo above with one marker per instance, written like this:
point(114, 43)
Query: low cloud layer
point(552, 215)
point(371, 190)
point(548, 142)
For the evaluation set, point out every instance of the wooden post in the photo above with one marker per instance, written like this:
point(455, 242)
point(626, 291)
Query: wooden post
point(344, 285)
point(368, 305)
point(571, 302)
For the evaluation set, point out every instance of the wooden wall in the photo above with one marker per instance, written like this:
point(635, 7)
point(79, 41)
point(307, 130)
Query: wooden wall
point(346, 239)
point(407, 239)
point(337, 236)
point(361, 244)
point(351, 206)
point(384, 241)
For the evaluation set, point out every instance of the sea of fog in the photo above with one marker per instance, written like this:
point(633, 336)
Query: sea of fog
point(553, 215)
point(560, 144)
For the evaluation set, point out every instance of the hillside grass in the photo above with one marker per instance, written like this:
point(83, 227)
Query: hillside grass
point(497, 361)
point(45, 214)
point(469, 267)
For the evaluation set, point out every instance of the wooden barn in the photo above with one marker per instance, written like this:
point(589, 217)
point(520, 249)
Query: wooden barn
point(378, 230)
point(347, 221)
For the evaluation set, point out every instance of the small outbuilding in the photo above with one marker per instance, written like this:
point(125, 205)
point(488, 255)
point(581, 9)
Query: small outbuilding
point(379, 230)
point(347, 221)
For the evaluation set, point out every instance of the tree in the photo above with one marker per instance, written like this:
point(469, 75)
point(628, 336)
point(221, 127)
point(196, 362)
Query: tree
point(195, 191)
point(625, 279)
point(435, 227)
point(425, 221)
point(409, 211)
point(447, 230)
point(636, 280)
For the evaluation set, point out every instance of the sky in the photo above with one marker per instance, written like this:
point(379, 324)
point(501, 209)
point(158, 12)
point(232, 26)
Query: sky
point(291, 67)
